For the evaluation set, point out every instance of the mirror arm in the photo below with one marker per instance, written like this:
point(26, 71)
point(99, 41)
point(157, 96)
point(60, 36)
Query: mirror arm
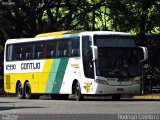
point(145, 53)
point(95, 53)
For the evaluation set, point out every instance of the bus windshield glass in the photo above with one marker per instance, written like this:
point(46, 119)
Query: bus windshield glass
point(117, 56)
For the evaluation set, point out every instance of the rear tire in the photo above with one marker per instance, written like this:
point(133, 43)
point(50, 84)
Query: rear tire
point(28, 94)
point(78, 95)
point(20, 91)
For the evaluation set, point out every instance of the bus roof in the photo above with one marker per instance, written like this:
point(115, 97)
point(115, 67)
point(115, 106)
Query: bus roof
point(21, 40)
point(64, 34)
point(104, 33)
point(60, 33)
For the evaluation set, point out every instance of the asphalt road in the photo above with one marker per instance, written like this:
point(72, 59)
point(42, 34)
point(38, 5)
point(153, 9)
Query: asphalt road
point(93, 108)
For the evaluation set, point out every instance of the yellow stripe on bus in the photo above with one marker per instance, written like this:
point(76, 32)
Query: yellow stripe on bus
point(43, 77)
point(56, 34)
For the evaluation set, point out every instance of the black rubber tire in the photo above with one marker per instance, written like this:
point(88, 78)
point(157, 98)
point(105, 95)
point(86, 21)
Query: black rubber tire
point(28, 93)
point(20, 91)
point(78, 95)
point(116, 97)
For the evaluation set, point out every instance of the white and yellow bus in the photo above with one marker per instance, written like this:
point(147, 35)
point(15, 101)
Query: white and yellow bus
point(64, 63)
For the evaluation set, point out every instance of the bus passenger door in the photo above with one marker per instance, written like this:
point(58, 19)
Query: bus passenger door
point(88, 65)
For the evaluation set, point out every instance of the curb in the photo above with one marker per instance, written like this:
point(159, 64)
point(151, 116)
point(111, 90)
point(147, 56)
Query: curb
point(150, 96)
point(6, 106)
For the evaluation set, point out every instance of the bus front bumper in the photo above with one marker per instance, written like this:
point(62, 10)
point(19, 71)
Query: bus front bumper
point(101, 89)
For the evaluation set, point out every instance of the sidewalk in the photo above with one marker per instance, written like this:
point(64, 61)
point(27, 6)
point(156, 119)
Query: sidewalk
point(148, 96)
point(6, 106)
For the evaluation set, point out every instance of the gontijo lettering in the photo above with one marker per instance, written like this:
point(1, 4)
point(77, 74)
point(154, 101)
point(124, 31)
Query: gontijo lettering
point(30, 66)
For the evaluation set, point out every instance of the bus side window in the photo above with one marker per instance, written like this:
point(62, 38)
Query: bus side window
point(18, 52)
point(60, 53)
point(51, 48)
point(74, 47)
point(39, 50)
point(63, 48)
point(87, 57)
point(9, 52)
point(27, 51)
point(65, 53)
point(75, 52)
point(45, 53)
point(52, 53)
point(28, 55)
point(18, 56)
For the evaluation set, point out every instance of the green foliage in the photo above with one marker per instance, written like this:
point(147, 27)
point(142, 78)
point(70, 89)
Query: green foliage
point(1, 48)
point(27, 18)
point(137, 15)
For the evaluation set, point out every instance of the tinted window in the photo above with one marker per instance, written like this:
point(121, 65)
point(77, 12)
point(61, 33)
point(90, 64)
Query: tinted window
point(39, 50)
point(51, 48)
point(68, 47)
point(87, 57)
point(63, 48)
point(23, 51)
point(74, 47)
point(114, 41)
point(9, 51)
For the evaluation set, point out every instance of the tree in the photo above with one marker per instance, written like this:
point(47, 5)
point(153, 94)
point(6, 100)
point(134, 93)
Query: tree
point(137, 16)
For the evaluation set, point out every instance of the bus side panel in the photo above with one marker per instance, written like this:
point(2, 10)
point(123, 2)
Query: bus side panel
point(73, 72)
point(35, 83)
point(44, 75)
point(57, 74)
point(9, 83)
point(52, 77)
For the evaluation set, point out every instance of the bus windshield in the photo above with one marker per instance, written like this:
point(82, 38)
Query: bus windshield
point(117, 57)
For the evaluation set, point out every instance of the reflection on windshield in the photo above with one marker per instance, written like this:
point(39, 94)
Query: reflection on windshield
point(113, 62)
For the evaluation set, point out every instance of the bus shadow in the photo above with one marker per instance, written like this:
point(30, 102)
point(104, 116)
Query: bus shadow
point(110, 100)
point(4, 108)
point(93, 98)
point(131, 99)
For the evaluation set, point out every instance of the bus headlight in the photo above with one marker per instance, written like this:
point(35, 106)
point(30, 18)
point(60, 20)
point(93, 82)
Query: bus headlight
point(102, 82)
point(136, 82)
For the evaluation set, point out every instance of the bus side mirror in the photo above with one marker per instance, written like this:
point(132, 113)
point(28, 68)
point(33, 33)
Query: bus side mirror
point(144, 55)
point(95, 52)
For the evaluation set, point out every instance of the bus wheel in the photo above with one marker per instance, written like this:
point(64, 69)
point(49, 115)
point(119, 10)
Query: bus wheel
point(78, 94)
point(116, 97)
point(20, 91)
point(28, 94)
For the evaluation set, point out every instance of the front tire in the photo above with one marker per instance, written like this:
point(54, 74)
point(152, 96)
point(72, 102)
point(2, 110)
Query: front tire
point(20, 91)
point(78, 95)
